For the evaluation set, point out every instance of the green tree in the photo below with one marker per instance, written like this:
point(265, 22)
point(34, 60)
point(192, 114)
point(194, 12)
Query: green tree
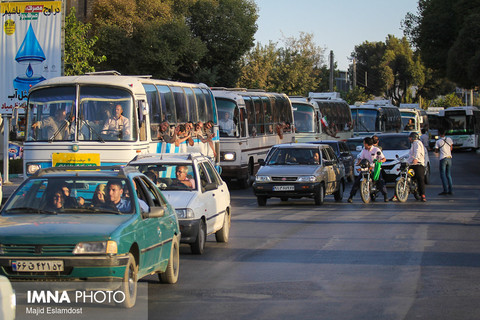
point(357, 94)
point(368, 58)
point(227, 28)
point(445, 32)
point(79, 54)
point(450, 100)
point(294, 69)
point(400, 69)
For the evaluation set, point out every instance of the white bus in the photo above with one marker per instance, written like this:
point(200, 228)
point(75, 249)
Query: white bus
point(306, 115)
point(250, 123)
point(375, 117)
point(72, 120)
point(414, 118)
point(335, 116)
point(462, 125)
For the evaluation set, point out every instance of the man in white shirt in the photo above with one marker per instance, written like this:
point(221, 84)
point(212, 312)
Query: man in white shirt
point(227, 125)
point(117, 125)
point(444, 146)
point(417, 162)
point(369, 152)
point(424, 138)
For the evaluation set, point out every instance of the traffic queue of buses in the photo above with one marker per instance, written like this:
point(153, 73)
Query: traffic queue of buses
point(172, 136)
point(105, 118)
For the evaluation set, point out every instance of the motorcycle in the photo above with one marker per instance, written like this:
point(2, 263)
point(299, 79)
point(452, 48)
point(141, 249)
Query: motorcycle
point(369, 187)
point(406, 183)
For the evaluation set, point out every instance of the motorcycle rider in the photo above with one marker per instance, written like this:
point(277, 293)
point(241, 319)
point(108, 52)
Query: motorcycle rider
point(369, 152)
point(417, 162)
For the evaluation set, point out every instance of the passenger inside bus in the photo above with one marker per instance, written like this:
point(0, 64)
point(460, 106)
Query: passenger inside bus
point(410, 125)
point(118, 125)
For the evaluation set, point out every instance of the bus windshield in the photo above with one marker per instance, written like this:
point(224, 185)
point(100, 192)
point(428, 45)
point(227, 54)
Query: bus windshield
point(366, 120)
point(458, 123)
point(104, 114)
point(227, 122)
point(304, 116)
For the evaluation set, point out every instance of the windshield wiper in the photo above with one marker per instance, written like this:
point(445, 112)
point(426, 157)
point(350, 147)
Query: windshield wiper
point(62, 127)
point(93, 130)
point(29, 210)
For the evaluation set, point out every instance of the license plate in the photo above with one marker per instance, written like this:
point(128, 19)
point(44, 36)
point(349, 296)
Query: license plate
point(283, 188)
point(37, 265)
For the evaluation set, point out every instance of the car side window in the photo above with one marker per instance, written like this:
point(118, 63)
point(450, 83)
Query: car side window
point(212, 173)
point(332, 154)
point(325, 156)
point(203, 176)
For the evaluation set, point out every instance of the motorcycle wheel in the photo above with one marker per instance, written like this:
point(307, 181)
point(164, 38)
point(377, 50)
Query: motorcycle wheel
point(365, 190)
point(401, 189)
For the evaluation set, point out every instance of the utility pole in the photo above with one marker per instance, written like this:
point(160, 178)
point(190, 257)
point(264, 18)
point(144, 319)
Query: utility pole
point(354, 73)
point(332, 71)
point(366, 81)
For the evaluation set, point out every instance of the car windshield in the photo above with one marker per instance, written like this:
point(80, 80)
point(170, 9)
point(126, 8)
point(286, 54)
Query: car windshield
point(170, 176)
point(352, 144)
point(294, 156)
point(394, 143)
point(45, 195)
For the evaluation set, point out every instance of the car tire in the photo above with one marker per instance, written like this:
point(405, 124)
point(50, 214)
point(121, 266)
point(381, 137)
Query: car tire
point(171, 272)
point(338, 195)
point(319, 195)
point(223, 234)
point(284, 198)
point(129, 282)
point(261, 201)
point(199, 245)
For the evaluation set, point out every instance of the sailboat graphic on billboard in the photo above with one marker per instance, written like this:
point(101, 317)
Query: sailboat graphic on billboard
point(30, 53)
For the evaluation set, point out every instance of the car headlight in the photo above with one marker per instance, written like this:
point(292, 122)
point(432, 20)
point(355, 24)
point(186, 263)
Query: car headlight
point(184, 213)
point(262, 179)
point(404, 157)
point(32, 168)
point(228, 156)
point(99, 247)
point(307, 179)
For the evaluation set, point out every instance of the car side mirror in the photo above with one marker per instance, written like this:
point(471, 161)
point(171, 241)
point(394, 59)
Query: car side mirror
point(261, 162)
point(210, 186)
point(328, 162)
point(155, 212)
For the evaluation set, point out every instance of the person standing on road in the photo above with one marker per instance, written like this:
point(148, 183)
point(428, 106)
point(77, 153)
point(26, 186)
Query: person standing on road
point(417, 162)
point(444, 147)
point(369, 153)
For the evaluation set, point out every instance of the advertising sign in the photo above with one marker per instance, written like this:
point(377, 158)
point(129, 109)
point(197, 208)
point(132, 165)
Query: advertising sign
point(30, 48)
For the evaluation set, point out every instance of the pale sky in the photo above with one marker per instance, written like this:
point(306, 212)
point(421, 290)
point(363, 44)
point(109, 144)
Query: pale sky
point(337, 25)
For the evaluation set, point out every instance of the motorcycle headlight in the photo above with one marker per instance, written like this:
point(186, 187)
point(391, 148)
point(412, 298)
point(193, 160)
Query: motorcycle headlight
point(99, 247)
point(307, 179)
point(186, 213)
point(262, 179)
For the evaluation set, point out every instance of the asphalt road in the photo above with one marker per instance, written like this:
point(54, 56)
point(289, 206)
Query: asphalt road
point(295, 260)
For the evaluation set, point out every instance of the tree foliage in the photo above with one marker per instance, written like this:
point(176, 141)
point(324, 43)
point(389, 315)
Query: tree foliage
point(446, 33)
point(294, 69)
point(79, 54)
point(189, 40)
point(368, 58)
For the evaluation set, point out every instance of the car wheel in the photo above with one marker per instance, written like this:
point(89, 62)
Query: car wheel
point(171, 273)
point(129, 283)
point(284, 198)
point(199, 245)
point(261, 201)
point(319, 195)
point(338, 195)
point(223, 234)
point(427, 174)
point(351, 176)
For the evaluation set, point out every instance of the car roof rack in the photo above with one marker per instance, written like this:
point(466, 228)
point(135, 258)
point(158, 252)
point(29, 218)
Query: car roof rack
point(121, 169)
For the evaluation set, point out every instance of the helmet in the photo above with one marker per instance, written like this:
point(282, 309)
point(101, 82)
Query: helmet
point(414, 136)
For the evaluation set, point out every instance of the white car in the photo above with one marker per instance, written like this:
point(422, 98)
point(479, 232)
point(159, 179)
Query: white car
point(193, 186)
point(7, 300)
point(398, 144)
